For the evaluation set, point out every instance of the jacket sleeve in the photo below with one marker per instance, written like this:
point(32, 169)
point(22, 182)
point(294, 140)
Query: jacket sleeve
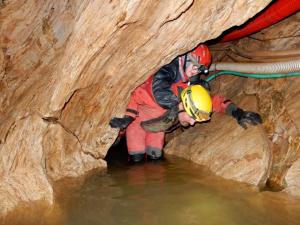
point(162, 82)
point(220, 104)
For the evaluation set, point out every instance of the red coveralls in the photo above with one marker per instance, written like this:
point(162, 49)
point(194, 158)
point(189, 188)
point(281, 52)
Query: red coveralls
point(143, 102)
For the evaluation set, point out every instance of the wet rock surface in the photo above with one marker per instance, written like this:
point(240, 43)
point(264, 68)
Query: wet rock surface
point(226, 149)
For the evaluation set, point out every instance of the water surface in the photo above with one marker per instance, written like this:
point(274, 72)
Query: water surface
point(173, 191)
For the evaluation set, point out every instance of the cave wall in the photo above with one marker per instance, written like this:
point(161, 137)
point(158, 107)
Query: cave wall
point(280, 106)
point(267, 155)
point(66, 67)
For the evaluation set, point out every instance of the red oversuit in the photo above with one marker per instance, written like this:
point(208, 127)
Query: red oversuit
point(152, 99)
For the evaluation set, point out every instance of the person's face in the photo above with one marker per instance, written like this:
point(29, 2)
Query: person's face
point(191, 70)
point(185, 120)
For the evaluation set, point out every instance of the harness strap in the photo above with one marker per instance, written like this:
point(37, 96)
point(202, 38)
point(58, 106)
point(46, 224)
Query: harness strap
point(132, 111)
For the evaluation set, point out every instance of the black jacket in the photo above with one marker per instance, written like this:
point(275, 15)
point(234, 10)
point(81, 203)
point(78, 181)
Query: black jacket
point(162, 82)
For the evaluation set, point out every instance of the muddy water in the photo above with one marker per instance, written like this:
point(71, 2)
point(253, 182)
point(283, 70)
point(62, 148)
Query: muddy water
point(172, 192)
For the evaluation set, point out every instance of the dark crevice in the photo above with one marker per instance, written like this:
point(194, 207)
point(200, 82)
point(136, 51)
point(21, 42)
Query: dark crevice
point(273, 38)
point(70, 98)
point(55, 120)
point(50, 119)
point(273, 186)
point(176, 17)
point(66, 103)
point(123, 24)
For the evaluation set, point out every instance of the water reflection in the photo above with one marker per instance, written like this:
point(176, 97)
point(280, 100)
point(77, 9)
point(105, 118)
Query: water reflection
point(173, 191)
point(148, 173)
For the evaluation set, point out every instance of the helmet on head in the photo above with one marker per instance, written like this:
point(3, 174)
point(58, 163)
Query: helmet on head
point(197, 102)
point(200, 57)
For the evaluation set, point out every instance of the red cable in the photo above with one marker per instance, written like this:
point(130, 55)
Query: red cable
point(275, 12)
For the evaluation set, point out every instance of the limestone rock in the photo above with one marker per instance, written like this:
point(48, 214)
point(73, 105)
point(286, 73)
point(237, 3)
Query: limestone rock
point(292, 179)
point(63, 154)
point(277, 99)
point(226, 149)
point(23, 176)
point(290, 127)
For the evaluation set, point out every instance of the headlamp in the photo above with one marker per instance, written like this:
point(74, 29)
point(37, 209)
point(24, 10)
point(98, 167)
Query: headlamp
point(203, 69)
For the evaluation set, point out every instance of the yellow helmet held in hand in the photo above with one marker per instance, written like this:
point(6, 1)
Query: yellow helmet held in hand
point(197, 102)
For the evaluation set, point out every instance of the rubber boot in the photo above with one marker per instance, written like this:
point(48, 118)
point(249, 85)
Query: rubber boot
point(153, 153)
point(137, 158)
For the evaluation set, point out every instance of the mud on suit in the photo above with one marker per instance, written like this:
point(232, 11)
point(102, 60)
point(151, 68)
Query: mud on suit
point(152, 99)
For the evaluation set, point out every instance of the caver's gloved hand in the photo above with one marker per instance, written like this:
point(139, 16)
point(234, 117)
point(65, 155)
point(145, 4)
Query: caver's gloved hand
point(171, 115)
point(197, 80)
point(244, 117)
point(121, 123)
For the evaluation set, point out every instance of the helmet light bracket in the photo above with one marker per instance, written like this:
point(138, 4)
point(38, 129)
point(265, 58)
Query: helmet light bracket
point(201, 68)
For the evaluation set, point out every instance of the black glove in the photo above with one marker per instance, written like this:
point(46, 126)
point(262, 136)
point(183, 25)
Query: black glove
point(121, 123)
point(171, 115)
point(244, 117)
point(197, 80)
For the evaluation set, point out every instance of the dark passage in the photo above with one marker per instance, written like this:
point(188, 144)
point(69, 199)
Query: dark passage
point(117, 154)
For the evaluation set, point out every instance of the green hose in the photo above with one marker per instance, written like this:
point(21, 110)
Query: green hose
point(253, 75)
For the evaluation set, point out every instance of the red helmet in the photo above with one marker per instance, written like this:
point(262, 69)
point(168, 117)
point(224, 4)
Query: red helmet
point(201, 55)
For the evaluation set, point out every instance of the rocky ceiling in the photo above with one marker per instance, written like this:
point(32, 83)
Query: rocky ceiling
point(67, 66)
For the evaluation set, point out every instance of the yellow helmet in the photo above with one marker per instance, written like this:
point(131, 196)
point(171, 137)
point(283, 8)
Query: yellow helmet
point(197, 102)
